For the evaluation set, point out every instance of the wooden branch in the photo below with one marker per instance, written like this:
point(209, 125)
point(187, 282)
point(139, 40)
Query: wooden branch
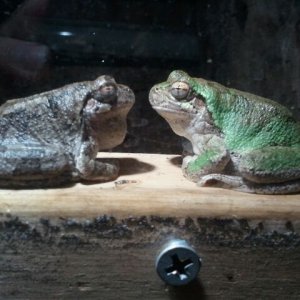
point(149, 184)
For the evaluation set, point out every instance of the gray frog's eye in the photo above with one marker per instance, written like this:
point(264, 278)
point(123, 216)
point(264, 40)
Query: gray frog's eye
point(107, 93)
point(180, 90)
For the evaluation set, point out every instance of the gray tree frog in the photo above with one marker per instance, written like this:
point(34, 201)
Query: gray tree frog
point(240, 141)
point(53, 138)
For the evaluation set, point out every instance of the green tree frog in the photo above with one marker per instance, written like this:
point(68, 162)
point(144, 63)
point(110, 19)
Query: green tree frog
point(240, 141)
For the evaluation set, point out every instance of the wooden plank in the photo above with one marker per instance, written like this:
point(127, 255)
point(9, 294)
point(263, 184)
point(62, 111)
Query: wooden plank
point(100, 241)
point(100, 272)
point(106, 258)
point(149, 184)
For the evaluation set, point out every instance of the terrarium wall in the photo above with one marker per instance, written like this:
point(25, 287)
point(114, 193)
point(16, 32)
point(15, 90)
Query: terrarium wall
point(249, 45)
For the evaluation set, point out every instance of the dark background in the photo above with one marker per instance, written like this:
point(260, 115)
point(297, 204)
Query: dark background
point(245, 44)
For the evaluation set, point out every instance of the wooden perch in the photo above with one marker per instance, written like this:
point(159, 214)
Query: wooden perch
point(149, 184)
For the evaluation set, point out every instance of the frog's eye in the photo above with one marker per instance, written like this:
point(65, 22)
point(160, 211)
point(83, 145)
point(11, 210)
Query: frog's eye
point(180, 90)
point(107, 93)
point(108, 90)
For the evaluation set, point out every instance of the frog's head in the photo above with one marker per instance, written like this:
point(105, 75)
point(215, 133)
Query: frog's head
point(112, 95)
point(178, 100)
point(109, 104)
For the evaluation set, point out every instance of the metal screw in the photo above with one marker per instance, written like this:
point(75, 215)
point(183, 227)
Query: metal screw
point(178, 263)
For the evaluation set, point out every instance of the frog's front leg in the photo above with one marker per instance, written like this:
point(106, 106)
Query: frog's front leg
point(212, 158)
point(87, 166)
point(90, 168)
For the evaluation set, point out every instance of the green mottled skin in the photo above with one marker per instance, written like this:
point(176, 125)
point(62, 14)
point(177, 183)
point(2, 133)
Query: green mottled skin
point(240, 140)
point(251, 122)
point(248, 121)
point(202, 161)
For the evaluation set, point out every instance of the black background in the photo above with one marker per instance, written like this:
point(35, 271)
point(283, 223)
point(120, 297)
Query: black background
point(249, 45)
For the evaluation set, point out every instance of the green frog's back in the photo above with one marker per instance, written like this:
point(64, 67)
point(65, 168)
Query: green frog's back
point(250, 121)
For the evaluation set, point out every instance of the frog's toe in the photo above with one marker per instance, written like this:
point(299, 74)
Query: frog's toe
point(109, 171)
point(207, 181)
point(103, 170)
point(220, 180)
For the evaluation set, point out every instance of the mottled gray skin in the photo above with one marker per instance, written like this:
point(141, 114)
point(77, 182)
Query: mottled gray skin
point(53, 138)
point(239, 140)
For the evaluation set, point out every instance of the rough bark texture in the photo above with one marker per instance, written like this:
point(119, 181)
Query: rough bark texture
point(106, 258)
point(100, 241)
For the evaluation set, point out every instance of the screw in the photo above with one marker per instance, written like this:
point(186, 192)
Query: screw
point(177, 263)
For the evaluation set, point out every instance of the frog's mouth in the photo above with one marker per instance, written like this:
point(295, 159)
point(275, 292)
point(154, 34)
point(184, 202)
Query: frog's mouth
point(170, 110)
point(177, 111)
point(178, 119)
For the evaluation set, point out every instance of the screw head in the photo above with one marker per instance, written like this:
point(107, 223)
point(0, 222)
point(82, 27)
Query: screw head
point(177, 263)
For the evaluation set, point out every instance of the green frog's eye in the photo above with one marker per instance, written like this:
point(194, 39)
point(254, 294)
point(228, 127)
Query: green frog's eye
point(180, 90)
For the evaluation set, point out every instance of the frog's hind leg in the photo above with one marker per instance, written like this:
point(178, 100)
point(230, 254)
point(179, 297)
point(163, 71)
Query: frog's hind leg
point(271, 170)
point(222, 181)
point(287, 187)
point(240, 184)
point(33, 165)
point(270, 165)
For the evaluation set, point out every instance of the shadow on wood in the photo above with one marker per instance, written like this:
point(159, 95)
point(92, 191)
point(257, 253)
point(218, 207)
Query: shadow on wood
point(176, 161)
point(193, 291)
point(130, 166)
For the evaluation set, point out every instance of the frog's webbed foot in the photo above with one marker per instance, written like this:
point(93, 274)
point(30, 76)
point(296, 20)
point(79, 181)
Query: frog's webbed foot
point(241, 184)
